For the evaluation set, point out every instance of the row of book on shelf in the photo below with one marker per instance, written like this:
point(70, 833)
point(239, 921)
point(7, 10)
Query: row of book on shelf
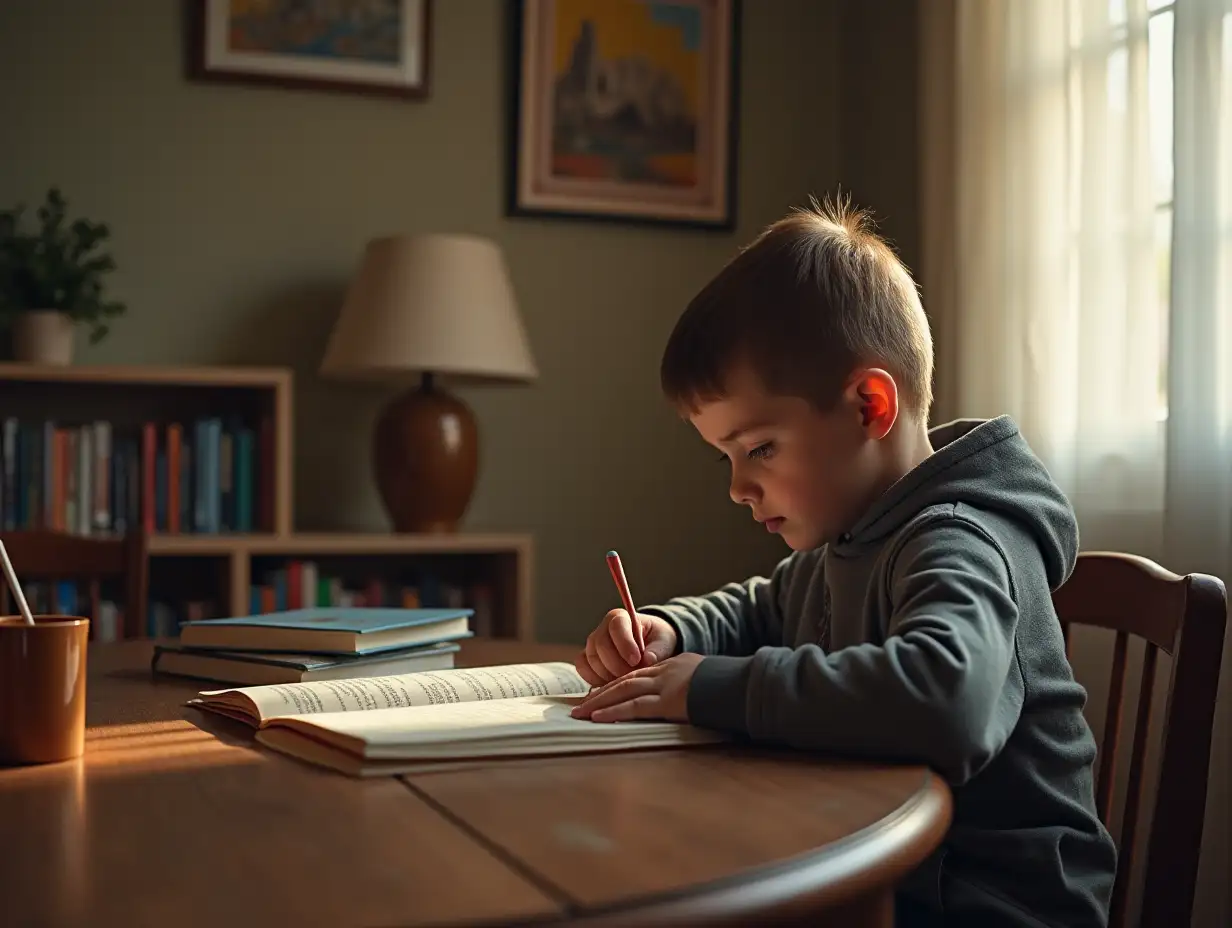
point(209, 475)
point(299, 583)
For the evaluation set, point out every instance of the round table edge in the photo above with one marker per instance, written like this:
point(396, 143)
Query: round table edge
point(873, 859)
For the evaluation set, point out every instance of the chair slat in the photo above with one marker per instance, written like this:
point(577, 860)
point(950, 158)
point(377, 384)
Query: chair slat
point(1113, 714)
point(1133, 791)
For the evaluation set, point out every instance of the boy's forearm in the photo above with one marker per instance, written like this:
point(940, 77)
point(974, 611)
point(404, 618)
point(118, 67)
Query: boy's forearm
point(727, 621)
point(736, 619)
point(929, 694)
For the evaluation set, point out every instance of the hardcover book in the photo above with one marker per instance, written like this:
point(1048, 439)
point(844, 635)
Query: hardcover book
point(327, 630)
point(381, 726)
point(254, 668)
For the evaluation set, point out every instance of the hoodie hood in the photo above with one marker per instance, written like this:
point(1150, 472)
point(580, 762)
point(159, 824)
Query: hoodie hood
point(987, 465)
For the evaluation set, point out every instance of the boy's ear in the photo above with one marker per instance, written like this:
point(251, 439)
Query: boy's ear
point(875, 395)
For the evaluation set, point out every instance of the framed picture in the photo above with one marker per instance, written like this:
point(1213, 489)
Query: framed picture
point(625, 110)
point(357, 46)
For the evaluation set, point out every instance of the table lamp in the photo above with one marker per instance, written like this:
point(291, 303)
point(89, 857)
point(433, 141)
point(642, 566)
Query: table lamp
point(426, 307)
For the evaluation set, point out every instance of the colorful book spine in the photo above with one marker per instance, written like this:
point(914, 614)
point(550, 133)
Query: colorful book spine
point(205, 476)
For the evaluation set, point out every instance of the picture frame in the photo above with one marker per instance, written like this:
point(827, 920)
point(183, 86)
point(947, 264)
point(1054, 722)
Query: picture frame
point(380, 47)
point(625, 111)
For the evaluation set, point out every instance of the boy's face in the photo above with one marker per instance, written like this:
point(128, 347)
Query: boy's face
point(806, 475)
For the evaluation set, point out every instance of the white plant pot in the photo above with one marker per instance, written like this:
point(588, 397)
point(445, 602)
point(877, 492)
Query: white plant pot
point(43, 336)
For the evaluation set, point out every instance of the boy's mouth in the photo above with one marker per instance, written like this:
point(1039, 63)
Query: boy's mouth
point(773, 525)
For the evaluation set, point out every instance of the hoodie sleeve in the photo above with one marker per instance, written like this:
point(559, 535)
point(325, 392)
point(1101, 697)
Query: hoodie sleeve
point(934, 692)
point(736, 619)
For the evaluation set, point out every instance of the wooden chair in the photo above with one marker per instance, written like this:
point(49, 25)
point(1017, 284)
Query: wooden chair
point(51, 556)
point(1186, 617)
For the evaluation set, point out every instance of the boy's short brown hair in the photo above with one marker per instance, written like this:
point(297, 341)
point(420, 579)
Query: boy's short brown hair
point(814, 296)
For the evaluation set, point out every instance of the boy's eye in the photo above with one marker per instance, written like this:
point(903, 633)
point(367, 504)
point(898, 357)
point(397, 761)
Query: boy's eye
point(762, 452)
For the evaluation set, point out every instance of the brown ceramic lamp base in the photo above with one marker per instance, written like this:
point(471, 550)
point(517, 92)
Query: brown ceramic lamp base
point(425, 456)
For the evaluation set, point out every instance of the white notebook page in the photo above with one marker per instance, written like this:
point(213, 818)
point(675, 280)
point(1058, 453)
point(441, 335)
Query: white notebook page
point(422, 688)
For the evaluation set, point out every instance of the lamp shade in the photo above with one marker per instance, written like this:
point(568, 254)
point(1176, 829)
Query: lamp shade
point(440, 304)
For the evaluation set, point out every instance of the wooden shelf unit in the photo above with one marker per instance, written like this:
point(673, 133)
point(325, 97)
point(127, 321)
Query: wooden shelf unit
point(225, 565)
point(127, 397)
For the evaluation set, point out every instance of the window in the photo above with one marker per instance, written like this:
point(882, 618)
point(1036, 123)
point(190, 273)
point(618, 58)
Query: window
point(1159, 80)
point(1157, 38)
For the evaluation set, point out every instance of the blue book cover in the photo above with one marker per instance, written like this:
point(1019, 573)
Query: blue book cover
point(330, 630)
point(357, 620)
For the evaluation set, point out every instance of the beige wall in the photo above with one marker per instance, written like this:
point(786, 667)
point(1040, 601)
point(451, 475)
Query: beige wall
point(879, 119)
point(238, 213)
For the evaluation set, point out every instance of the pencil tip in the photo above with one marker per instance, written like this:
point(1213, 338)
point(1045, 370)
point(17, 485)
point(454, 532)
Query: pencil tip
point(612, 554)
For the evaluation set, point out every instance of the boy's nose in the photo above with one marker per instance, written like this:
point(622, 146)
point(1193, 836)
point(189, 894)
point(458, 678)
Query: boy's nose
point(743, 492)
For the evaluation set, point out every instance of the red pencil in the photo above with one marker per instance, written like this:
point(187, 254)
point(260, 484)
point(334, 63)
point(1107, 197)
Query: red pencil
point(622, 585)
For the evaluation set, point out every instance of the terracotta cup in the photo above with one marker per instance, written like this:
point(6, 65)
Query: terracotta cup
point(42, 688)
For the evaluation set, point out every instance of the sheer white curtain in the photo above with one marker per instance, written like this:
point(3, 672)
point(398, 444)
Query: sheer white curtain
point(1198, 502)
point(1077, 200)
point(1060, 311)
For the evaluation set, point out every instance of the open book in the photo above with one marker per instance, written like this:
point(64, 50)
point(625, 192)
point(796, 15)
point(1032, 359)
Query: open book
point(379, 726)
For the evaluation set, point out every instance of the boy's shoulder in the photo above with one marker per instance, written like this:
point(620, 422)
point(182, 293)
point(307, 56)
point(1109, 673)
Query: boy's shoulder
point(956, 530)
point(985, 485)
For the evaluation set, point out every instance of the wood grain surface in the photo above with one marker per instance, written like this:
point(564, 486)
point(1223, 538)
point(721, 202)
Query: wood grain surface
point(176, 817)
point(653, 828)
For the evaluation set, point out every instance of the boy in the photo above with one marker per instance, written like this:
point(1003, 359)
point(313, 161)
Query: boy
point(913, 620)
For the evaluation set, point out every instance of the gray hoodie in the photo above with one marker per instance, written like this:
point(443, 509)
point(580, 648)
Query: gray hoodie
point(927, 634)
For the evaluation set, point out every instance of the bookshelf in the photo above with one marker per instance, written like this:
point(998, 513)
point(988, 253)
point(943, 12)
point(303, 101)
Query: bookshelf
point(203, 457)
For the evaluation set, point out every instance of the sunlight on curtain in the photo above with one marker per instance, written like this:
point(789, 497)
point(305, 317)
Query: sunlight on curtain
point(1198, 502)
point(1064, 193)
point(1060, 295)
point(1199, 499)
point(1077, 197)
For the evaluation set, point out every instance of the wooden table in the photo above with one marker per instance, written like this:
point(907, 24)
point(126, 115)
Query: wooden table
point(172, 821)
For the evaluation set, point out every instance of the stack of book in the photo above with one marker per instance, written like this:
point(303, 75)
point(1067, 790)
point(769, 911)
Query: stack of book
point(302, 645)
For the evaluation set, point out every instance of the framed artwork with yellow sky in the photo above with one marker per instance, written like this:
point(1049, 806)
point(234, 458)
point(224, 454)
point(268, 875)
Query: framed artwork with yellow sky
point(626, 110)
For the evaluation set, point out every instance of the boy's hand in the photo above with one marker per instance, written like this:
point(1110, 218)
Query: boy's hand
point(658, 692)
point(611, 650)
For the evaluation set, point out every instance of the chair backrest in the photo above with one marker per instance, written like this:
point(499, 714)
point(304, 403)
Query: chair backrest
point(1185, 616)
point(50, 556)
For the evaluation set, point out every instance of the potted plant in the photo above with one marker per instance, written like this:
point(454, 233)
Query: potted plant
point(51, 280)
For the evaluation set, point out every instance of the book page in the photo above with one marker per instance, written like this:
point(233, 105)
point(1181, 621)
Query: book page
point(421, 688)
point(460, 720)
point(488, 726)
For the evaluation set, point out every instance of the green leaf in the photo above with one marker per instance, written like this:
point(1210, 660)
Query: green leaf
point(60, 264)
